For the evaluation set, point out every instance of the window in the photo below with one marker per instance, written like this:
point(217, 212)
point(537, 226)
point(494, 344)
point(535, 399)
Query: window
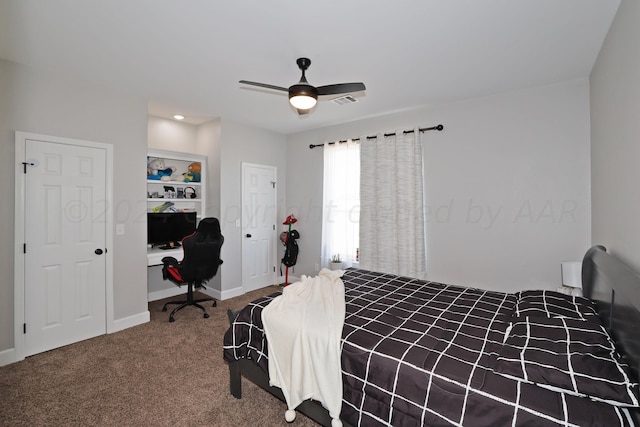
point(341, 202)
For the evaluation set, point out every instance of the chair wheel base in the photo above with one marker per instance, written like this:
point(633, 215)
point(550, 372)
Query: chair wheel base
point(189, 302)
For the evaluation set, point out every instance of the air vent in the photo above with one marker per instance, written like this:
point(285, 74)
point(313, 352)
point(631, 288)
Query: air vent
point(346, 99)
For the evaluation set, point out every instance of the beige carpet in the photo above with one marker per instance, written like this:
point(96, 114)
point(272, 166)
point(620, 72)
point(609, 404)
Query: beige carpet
point(156, 374)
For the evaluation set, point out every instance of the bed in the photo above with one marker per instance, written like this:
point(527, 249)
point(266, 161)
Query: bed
point(426, 353)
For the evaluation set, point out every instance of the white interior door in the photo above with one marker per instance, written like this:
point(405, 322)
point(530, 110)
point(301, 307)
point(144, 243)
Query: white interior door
point(65, 237)
point(258, 226)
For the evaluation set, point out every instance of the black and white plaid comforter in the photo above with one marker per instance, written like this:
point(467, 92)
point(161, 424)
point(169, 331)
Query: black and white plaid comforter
point(422, 353)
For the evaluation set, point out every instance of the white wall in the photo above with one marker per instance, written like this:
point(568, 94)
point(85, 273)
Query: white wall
point(615, 138)
point(7, 184)
point(172, 135)
point(240, 143)
point(226, 144)
point(507, 185)
point(42, 103)
point(204, 139)
point(208, 141)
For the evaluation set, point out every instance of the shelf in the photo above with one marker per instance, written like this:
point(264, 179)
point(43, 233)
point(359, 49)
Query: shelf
point(181, 162)
point(162, 200)
point(186, 184)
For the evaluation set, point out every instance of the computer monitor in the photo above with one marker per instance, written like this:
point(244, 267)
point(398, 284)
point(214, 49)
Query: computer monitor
point(169, 228)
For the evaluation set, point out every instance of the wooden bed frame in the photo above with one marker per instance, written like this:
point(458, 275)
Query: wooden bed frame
point(606, 280)
point(251, 371)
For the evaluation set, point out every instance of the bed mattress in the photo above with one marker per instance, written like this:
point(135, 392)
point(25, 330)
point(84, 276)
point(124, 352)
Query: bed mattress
point(425, 353)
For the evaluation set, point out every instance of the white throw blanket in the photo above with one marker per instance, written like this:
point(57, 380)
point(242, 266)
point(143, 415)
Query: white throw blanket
point(303, 328)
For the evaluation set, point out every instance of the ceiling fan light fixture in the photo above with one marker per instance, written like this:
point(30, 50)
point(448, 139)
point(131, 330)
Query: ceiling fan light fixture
point(303, 102)
point(303, 96)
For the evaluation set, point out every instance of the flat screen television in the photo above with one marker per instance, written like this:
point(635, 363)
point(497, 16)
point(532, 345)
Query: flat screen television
point(168, 229)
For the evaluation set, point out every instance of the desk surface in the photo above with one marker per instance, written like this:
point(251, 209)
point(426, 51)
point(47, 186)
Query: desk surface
point(155, 255)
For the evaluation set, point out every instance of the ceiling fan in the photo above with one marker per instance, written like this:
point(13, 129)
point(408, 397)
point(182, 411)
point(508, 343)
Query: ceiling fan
point(303, 96)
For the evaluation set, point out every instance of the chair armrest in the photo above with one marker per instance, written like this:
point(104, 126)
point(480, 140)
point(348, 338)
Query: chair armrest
point(170, 261)
point(170, 270)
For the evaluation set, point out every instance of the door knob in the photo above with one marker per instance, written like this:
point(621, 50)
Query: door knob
point(98, 251)
point(248, 235)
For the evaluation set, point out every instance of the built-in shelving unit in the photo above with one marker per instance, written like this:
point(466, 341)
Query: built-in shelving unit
point(184, 194)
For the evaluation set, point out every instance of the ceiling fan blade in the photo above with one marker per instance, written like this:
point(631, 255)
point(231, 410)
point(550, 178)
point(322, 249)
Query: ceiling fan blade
point(268, 86)
point(340, 88)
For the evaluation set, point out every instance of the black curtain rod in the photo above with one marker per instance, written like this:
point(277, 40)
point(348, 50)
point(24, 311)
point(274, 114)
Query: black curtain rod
point(437, 127)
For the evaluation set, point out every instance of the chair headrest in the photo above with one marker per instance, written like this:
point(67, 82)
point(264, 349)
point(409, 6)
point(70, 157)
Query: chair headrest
point(209, 227)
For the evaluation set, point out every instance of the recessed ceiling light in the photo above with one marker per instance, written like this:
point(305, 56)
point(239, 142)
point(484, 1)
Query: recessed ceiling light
point(178, 117)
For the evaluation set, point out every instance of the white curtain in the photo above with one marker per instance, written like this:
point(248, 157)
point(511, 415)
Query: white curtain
point(341, 202)
point(392, 230)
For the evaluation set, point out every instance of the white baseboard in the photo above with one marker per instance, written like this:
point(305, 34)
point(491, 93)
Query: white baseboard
point(224, 295)
point(231, 293)
point(8, 356)
point(175, 291)
point(210, 291)
point(236, 292)
point(130, 321)
point(292, 279)
point(166, 293)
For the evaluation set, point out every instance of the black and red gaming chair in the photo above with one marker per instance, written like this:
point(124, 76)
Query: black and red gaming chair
point(201, 259)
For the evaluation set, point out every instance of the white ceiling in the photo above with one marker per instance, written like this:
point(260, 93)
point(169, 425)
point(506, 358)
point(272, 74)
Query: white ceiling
point(186, 56)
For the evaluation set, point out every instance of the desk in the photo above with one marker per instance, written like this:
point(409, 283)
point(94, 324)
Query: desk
point(157, 287)
point(155, 255)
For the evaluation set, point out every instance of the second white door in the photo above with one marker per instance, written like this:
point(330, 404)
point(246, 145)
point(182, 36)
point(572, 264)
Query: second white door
point(258, 226)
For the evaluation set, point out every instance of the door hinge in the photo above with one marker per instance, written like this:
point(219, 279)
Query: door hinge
point(24, 248)
point(274, 268)
point(274, 227)
point(272, 183)
point(24, 328)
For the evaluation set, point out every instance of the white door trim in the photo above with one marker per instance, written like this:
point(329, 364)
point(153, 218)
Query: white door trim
point(19, 240)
